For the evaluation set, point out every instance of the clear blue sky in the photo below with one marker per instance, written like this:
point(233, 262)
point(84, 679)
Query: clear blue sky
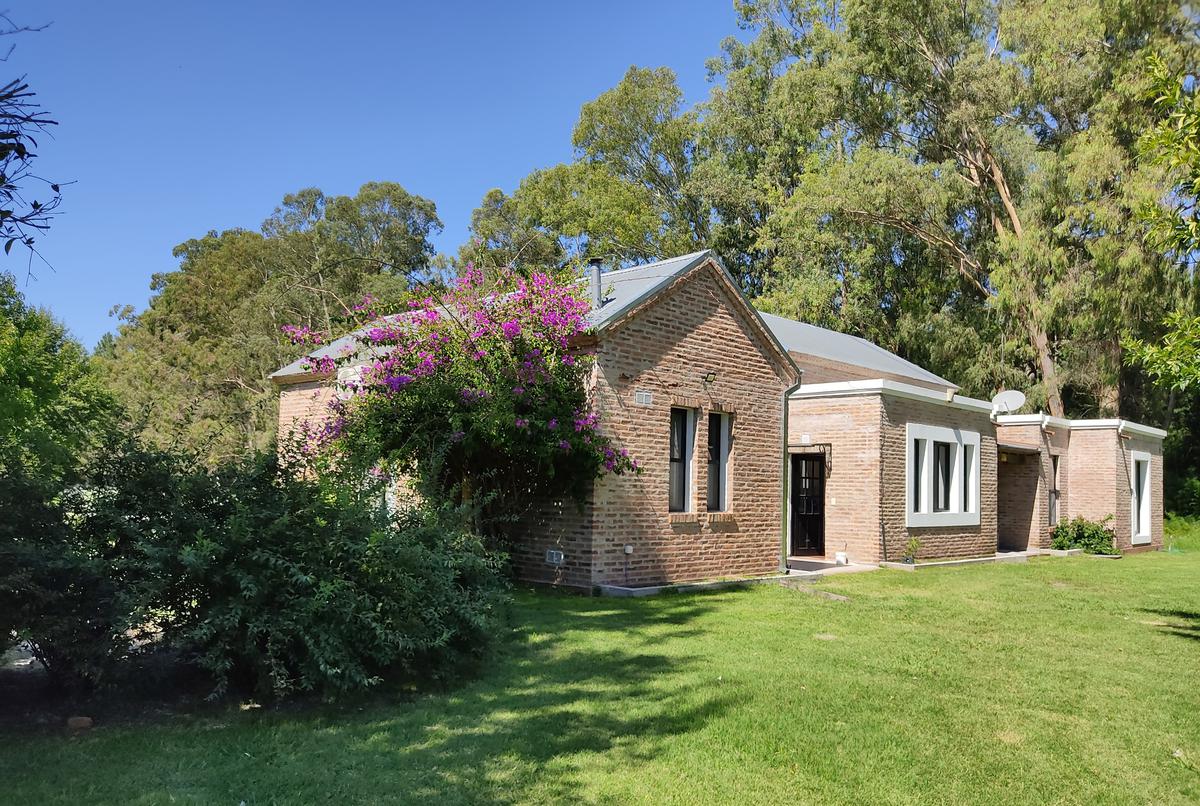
point(181, 117)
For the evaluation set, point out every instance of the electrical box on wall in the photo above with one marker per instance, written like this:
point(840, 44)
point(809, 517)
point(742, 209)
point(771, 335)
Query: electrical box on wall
point(554, 557)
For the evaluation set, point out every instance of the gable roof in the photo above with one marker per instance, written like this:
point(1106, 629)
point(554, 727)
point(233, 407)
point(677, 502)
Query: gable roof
point(625, 289)
point(800, 337)
point(333, 349)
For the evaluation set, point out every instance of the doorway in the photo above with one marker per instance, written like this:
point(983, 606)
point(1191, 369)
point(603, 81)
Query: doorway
point(808, 505)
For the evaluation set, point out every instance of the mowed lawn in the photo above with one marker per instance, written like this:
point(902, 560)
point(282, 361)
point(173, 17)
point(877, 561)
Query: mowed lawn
point(1056, 681)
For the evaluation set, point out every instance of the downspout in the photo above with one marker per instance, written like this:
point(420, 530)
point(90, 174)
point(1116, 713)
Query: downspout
point(783, 476)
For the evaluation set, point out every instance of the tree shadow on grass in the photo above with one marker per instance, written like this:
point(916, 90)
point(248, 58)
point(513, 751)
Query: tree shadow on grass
point(1183, 623)
point(584, 678)
point(579, 685)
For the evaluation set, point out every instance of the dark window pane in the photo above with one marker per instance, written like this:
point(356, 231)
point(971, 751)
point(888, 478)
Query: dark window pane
point(1053, 497)
point(677, 496)
point(716, 436)
point(941, 476)
point(968, 470)
point(916, 475)
point(678, 490)
point(678, 429)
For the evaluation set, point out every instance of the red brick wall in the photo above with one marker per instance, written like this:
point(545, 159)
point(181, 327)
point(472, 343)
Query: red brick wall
point(299, 402)
point(1025, 482)
point(665, 349)
point(850, 426)
point(1124, 497)
point(1092, 459)
point(1100, 463)
point(936, 541)
point(559, 525)
point(1021, 500)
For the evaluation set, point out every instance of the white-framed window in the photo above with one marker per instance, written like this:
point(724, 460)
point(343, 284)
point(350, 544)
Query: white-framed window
point(683, 435)
point(1053, 494)
point(942, 476)
point(1139, 504)
point(718, 461)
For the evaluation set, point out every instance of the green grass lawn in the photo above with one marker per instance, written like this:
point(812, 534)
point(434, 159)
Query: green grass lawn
point(1056, 681)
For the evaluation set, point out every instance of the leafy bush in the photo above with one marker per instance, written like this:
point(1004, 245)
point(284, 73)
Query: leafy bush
point(1080, 533)
point(269, 581)
point(303, 588)
point(1182, 495)
point(55, 592)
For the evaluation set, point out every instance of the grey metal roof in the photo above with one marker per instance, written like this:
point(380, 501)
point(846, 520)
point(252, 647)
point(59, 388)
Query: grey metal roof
point(623, 289)
point(626, 288)
point(338, 347)
point(333, 349)
point(799, 337)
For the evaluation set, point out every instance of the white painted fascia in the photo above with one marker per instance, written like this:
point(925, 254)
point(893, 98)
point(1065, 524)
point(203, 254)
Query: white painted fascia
point(1122, 427)
point(882, 386)
point(1041, 420)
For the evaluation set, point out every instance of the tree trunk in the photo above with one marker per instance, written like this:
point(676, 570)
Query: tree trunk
point(1037, 334)
point(1108, 397)
point(1041, 346)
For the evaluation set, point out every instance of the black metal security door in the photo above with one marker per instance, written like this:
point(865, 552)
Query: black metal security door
point(808, 504)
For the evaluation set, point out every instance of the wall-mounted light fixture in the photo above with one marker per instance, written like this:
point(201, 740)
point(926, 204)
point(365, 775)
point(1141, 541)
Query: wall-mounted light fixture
point(709, 377)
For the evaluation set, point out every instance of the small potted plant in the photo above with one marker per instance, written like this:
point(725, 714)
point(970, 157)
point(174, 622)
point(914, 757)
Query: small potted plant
point(910, 550)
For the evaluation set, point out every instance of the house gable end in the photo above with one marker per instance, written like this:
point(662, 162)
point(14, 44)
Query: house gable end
point(746, 316)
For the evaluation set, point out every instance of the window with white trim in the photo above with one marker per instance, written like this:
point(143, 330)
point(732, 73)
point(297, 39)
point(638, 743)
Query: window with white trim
point(683, 430)
point(718, 461)
point(1052, 498)
point(1139, 485)
point(942, 476)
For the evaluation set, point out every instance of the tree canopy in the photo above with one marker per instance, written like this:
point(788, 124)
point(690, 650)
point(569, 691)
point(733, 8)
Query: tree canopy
point(956, 181)
point(194, 365)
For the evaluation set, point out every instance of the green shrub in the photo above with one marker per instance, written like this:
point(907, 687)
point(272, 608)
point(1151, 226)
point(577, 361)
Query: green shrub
point(1080, 533)
point(306, 588)
point(56, 592)
point(269, 581)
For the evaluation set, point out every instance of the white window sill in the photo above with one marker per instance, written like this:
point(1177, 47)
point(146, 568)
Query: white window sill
point(928, 519)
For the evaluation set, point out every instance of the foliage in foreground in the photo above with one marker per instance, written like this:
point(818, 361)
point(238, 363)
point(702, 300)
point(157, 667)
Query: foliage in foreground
point(1080, 533)
point(269, 581)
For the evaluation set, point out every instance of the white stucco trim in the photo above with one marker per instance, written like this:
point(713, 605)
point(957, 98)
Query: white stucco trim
point(1122, 427)
point(882, 386)
point(1041, 420)
point(961, 441)
point(1140, 499)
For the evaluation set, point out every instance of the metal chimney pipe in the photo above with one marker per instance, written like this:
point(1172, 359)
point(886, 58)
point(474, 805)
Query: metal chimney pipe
point(597, 294)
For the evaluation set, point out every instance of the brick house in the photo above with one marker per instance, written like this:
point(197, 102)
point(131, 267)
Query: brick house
point(767, 442)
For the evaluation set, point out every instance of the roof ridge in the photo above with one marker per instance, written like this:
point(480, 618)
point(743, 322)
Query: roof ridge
point(689, 256)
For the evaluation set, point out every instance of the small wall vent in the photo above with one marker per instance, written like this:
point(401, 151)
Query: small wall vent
point(554, 557)
point(643, 398)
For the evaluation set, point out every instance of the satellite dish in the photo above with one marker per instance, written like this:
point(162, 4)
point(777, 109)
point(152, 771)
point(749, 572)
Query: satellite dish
point(1008, 401)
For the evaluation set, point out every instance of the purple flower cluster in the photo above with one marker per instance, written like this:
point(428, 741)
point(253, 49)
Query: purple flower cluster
point(503, 347)
point(303, 334)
